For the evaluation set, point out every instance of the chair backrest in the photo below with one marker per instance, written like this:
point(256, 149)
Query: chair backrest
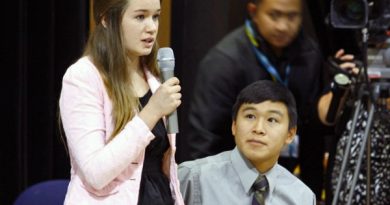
point(50, 192)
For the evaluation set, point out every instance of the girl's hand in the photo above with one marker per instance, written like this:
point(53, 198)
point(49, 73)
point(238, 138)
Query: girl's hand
point(164, 101)
point(166, 98)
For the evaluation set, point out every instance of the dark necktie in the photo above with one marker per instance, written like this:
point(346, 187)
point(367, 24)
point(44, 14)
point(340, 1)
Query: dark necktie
point(260, 188)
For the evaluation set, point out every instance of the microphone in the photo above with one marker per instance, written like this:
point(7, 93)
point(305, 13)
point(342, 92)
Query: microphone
point(166, 63)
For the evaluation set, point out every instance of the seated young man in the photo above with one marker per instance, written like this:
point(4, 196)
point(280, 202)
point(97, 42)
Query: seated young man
point(264, 120)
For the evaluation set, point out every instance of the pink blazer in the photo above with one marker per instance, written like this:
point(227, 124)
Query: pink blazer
point(105, 173)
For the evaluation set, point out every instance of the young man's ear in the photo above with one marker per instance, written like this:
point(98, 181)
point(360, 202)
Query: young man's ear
point(291, 135)
point(104, 23)
point(251, 9)
point(233, 128)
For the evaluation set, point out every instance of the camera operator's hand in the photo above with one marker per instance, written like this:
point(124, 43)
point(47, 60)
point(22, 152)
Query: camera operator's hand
point(344, 67)
point(346, 62)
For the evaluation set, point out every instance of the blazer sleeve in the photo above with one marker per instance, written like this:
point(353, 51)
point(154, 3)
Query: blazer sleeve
point(83, 117)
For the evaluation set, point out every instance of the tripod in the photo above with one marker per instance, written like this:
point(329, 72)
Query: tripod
point(368, 93)
point(364, 143)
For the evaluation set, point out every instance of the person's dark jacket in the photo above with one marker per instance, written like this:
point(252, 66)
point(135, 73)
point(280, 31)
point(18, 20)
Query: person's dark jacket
point(229, 67)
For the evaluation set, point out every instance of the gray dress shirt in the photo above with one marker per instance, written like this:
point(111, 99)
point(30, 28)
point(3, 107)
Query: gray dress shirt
point(227, 178)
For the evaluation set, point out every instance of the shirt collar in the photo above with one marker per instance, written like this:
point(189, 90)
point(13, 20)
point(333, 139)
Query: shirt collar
point(248, 173)
point(245, 170)
point(272, 176)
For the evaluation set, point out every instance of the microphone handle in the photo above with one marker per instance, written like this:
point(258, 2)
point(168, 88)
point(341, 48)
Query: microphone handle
point(173, 126)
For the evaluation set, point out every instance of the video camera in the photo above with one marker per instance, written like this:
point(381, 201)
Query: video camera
point(367, 101)
point(374, 15)
point(357, 14)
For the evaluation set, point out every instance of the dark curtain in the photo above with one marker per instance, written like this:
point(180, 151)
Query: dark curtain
point(40, 40)
point(197, 25)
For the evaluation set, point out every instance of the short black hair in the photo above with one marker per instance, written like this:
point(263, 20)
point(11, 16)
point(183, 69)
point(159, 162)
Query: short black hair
point(255, 1)
point(264, 90)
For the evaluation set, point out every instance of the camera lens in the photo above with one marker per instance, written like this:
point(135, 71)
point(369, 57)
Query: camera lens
point(349, 13)
point(352, 10)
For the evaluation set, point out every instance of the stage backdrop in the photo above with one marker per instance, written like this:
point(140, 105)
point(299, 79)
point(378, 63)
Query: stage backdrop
point(40, 40)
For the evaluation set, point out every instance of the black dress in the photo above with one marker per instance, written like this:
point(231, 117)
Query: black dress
point(155, 188)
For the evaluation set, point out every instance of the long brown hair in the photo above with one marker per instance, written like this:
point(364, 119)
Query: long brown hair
point(106, 49)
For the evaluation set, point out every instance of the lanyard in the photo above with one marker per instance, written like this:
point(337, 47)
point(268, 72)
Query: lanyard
point(263, 59)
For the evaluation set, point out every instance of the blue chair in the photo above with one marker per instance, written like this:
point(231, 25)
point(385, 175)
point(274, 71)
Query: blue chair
point(50, 192)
